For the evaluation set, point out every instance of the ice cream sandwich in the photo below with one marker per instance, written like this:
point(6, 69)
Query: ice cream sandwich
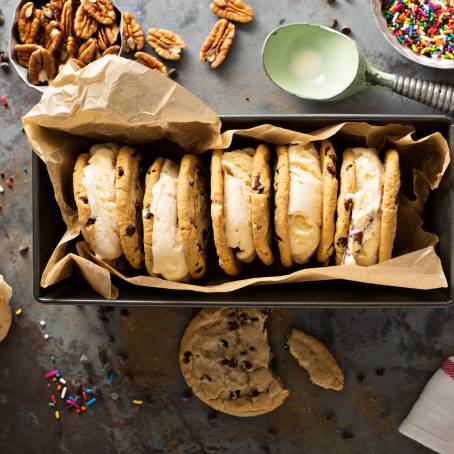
point(240, 194)
point(305, 184)
point(367, 207)
point(175, 219)
point(95, 196)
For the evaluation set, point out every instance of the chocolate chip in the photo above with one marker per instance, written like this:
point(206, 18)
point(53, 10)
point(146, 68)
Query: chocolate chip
point(380, 372)
point(243, 317)
point(247, 365)
point(254, 319)
point(281, 21)
point(265, 311)
point(231, 314)
point(257, 186)
point(121, 171)
point(346, 30)
point(331, 22)
point(85, 200)
point(349, 166)
point(223, 343)
point(199, 247)
point(205, 234)
point(252, 348)
point(186, 395)
point(191, 183)
point(187, 354)
point(243, 352)
point(348, 203)
point(358, 237)
point(199, 269)
point(233, 363)
point(148, 215)
point(91, 221)
point(254, 393)
point(342, 242)
point(130, 230)
point(234, 394)
point(278, 238)
point(186, 360)
point(206, 378)
point(225, 362)
point(232, 324)
point(331, 169)
point(236, 250)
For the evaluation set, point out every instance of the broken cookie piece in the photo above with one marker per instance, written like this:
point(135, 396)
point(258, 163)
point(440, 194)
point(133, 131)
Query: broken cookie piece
point(225, 357)
point(313, 356)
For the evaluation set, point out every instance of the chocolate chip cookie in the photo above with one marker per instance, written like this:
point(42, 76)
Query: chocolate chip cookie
point(81, 198)
point(224, 358)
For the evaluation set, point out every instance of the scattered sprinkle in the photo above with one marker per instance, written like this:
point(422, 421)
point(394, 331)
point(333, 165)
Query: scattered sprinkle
point(42, 323)
point(4, 101)
point(91, 401)
point(62, 381)
point(51, 374)
point(137, 402)
point(1, 190)
point(46, 336)
point(19, 312)
point(9, 182)
point(63, 393)
point(57, 414)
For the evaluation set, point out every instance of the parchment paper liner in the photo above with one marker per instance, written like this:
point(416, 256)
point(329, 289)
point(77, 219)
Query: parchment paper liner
point(115, 99)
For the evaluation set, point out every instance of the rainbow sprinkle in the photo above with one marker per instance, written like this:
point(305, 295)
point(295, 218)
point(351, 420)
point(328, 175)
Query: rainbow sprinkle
point(426, 27)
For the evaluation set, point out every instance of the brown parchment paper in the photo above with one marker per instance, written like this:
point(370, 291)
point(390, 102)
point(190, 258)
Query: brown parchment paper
point(115, 99)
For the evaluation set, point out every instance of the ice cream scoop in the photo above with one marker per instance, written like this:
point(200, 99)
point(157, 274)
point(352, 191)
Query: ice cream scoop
point(319, 63)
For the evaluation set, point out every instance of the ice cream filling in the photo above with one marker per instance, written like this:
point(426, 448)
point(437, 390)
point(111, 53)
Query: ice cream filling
point(305, 201)
point(99, 182)
point(167, 248)
point(365, 223)
point(237, 170)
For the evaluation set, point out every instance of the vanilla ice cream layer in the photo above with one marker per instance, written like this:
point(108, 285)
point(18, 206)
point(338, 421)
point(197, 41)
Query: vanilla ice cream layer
point(365, 222)
point(99, 182)
point(305, 201)
point(237, 170)
point(167, 249)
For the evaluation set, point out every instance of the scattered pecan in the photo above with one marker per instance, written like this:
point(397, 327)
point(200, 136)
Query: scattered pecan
point(84, 25)
point(132, 34)
point(66, 22)
point(24, 52)
point(235, 10)
point(107, 36)
point(69, 49)
point(165, 43)
point(218, 43)
point(42, 67)
point(112, 50)
point(100, 10)
point(151, 62)
point(53, 37)
point(47, 15)
point(87, 51)
point(28, 23)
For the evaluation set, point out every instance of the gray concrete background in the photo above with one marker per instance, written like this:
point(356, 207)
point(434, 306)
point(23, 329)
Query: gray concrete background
point(388, 355)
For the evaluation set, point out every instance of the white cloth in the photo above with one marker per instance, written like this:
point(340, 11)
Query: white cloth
point(431, 420)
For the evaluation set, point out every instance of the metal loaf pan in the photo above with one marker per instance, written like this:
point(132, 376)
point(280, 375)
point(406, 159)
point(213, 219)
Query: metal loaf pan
point(48, 228)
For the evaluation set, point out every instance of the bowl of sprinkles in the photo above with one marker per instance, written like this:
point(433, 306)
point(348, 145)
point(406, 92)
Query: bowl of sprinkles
point(420, 30)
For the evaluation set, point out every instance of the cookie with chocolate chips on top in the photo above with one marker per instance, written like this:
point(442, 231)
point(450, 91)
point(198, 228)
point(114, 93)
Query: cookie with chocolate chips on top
point(129, 196)
point(224, 358)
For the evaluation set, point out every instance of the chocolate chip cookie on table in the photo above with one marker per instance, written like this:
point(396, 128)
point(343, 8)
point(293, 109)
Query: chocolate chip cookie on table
point(240, 207)
point(224, 358)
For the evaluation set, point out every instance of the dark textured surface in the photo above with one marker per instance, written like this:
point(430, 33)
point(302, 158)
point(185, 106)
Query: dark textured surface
point(388, 355)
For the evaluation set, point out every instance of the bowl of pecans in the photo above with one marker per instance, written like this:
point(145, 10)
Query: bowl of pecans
point(46, 34)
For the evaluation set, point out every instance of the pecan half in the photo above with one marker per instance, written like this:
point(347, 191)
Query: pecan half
point(107, 36)
point(132, 34)
point(166, 43)
point(28, 23)
point(47, 15)
point(100, 10)
point(112, 50)
point(235, 10)
point(24, 52)
point(66, 22)
point(69, 49)
point(42, 67)
point(218, 43)
point(84, 25)
point(87, 51)
point(53, 37)
point(153, 63)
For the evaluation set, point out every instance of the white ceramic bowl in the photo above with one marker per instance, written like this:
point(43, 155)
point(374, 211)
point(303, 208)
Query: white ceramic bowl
point(405, 51)
point(13, 40)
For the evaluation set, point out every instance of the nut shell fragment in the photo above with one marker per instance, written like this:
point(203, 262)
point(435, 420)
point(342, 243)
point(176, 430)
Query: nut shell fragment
point(151, 62)
point(235, 10)
point(100, 10)
point(166, 43)
point(84, 25)
point(218, 43)
point(133, 36)
point(42, 67)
